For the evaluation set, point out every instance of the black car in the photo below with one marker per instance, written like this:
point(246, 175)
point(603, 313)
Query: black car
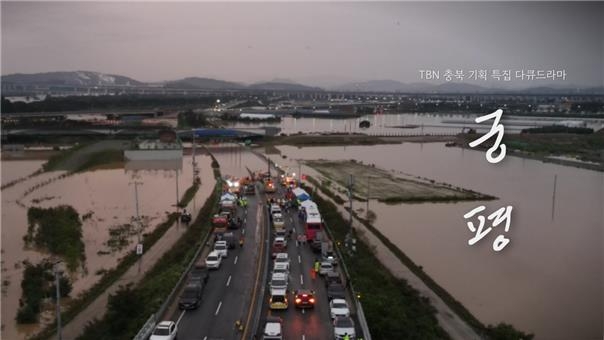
point(250, 189)
point(191, 296)
point(199, 274)
point(185, 217)
point(336, 291)
point(332, 277)
point(230, 240)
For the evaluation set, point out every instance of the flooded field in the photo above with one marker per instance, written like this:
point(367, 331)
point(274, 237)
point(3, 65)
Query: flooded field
point(380, 184)
point(548, 280)
point(108, 195)
point(410, 124)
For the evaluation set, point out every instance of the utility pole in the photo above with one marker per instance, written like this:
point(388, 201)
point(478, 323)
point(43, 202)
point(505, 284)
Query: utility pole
point(348, 240)
point(554, 195)
point(367, 209)
point(269, 166)
point(139, 225)
point(195, 170)
point(177, 195)
point(57, 271)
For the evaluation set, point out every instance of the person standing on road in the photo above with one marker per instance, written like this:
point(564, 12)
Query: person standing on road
point(317, 266)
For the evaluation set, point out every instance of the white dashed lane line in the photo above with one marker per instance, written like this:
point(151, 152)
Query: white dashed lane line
point(218, 309)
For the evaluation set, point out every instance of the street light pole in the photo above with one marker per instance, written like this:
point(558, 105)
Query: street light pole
point(58, 290)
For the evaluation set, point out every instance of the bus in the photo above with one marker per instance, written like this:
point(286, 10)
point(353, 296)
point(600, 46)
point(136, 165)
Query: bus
point(314, 223)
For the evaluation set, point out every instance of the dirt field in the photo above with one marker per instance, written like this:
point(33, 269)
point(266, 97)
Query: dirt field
point(388, 188)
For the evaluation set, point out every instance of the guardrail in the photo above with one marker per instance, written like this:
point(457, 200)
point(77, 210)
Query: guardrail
point(148, 327)
point(259, 304)
point(357, 302)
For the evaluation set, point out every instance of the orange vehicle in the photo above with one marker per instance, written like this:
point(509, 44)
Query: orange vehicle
point(269, 186)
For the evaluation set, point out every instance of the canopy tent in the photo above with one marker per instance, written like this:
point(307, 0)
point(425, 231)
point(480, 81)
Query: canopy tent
point(301, 194)
point(228, 197)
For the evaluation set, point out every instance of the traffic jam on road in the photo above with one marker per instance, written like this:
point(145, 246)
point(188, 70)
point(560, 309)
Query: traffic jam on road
point(306, 297)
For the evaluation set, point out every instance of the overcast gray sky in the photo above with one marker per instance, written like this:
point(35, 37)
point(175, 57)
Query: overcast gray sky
point(313, 43)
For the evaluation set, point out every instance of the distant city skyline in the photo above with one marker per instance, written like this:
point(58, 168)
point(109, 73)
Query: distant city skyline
point(322, 44)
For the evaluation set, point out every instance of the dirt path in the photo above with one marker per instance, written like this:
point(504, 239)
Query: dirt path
point(447, 319)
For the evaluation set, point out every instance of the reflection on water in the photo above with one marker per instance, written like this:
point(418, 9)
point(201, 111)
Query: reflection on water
point(548, 280)
point(412, 123)
point(235, 160)
point(109, 195)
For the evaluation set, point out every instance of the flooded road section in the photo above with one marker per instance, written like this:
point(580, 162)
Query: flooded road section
point(235, 159)
point(548, 280)
point(110, 196)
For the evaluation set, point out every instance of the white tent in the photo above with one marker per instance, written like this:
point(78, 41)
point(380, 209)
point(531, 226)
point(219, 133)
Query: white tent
point(228, 197)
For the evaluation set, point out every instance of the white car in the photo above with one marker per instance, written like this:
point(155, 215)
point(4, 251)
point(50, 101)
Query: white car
point(325, 268)
point(338, 307)
point(165, 330)
point(343, 326)
point(278, 281)
point(213, 260)
point(272, 329)
point(280, 240)
point(222, 248)
point(275, 209)
point(281, 267)
point(283, 259)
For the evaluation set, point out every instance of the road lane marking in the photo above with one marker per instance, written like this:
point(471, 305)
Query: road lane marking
point(218, 309)
point(236, 257)
point(205, 337)
point(180, 317)
point(301, 279)
point(299, 259)
point(303, 311)
point(228, 281)
point(303, 337)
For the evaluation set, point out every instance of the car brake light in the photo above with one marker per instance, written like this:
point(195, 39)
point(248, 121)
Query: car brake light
point(304, 295)
point(298, 300)
point(312, 300)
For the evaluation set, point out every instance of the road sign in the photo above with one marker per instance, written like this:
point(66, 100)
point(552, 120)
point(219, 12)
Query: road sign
point(139, 249)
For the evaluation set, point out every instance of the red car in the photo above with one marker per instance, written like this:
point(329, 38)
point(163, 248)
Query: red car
point(304, 298)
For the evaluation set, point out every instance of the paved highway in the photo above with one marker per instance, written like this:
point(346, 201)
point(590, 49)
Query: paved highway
point(227, 297)
point(304, 324)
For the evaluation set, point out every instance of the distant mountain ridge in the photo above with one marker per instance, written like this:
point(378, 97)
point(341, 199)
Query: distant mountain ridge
point(281, 86)
point(203, 83)
point(70, 78)
point(97, 79)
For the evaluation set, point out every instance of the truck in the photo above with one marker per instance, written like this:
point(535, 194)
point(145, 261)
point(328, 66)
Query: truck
point(220, 224)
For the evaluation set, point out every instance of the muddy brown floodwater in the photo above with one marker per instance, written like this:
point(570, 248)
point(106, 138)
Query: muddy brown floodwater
point(109, 195)
point(548, 280)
